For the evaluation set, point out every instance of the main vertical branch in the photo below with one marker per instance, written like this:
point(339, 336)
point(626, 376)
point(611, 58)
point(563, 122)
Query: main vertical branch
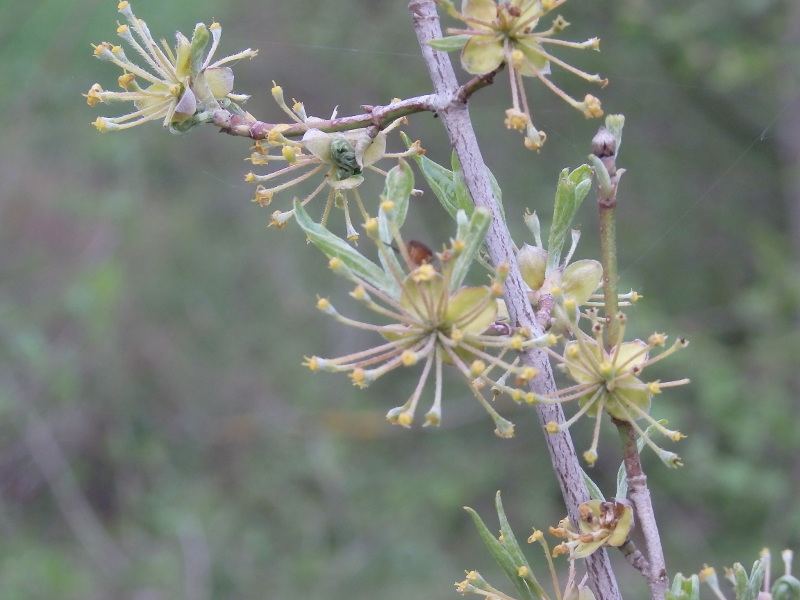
point(455, 117)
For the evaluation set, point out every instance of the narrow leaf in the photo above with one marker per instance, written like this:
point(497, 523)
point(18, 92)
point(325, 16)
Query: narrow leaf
point(398, 187)
point(439, 179)
point(450, 43)
point(334, 246)
point(501, 555)
point(513, 549)
point(570, 192)
point(594, 489)
point(472, 233)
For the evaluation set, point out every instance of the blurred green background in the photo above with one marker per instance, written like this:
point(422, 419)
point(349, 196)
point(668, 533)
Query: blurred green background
point(159, 438)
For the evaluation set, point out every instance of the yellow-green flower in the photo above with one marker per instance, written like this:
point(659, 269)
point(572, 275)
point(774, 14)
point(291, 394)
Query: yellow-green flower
point(181, 87)
point(340, 158)
point(429, 318)
point(601, 523)
point(610, 380)
point(505, 33)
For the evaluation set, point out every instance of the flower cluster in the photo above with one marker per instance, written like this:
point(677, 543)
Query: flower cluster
point(433, 320)
point(504, 33)
point(341, 158)
point(609, 379)
point(182, 86)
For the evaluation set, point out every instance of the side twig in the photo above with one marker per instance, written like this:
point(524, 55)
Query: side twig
point(604, 147)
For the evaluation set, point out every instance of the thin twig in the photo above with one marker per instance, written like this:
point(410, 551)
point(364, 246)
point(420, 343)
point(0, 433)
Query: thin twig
point(455, 117)
point(654, 569)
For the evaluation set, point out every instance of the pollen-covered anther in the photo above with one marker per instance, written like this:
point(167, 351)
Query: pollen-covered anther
point(371, 225)
point(526, 374)
point(523, 571)
point(335, 263)
point(592, 107)
point(551, 427)
point(517, 342)
point(289, 153)
point(456, 335)
point(312, 363)
point(535, 536)
point(125, 81)
point(358, 376)
point(424, 272)
point(408, 358)
point(387, 206)
point(477, 367)
point(359, 293)
point(323, 304)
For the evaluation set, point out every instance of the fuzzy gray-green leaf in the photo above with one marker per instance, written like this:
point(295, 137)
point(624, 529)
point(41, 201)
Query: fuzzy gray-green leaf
point(570, 192)
point(334, 246)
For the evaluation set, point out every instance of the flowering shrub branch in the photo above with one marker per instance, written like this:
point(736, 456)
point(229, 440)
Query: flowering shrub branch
point(500, 336)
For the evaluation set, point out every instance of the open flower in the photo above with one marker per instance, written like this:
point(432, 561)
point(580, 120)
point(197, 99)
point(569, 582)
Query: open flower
point(340, 158)
point(610, 380)
point(601, 523)
point(431, 319)
point(504, 33)
point(181, 86)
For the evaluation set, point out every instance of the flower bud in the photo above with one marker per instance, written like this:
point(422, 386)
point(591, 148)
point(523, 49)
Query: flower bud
point(532, 264)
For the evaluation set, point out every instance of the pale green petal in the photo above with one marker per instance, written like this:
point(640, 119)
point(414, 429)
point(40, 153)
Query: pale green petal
point(346, 184)
point(461, 309)
point(639, 397)
point(318, 143)
point(483, 10)
point(220, 81)
point(423, 298)
point(481, 54)
point(628, 350)
point(536, 61)
point(529, 9)
point(370, 150)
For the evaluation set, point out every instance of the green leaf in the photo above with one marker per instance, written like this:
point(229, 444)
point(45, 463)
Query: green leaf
point(614, 124)
point(398, 187)
point(684, 588)
point(515, 552)
point(747, 588)
point(594, 489)
point(439, 179)
point(449, 44)
point(334, 246)
point(463, 199)
point(570, 192)
point(472, 233)
point(501, 556)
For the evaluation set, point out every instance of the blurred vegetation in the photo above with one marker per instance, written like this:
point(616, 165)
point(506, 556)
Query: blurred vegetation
point(158, 436)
